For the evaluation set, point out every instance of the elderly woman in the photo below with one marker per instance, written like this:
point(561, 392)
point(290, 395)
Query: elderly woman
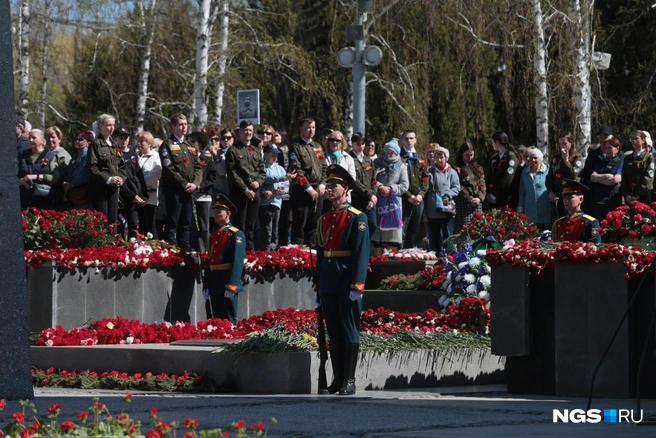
point(443, 187)
point(151, 167)
point(38, 172)
point(638, 171)
point(533, 193)
point(53, 136)
point(391, 177)
point(76, 177)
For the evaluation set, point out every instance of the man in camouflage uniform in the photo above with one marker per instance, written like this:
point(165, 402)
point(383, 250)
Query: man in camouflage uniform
point(307, 160)
point(181, 176)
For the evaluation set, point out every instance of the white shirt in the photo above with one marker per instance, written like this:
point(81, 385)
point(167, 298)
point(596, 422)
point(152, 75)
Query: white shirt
point(152, 169)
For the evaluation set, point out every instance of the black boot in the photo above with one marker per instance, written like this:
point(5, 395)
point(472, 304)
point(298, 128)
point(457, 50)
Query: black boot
point(350, 363)
point(337, 361)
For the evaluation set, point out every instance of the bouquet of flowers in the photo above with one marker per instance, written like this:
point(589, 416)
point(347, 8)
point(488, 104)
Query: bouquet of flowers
point(467, 275)
point(633, 221)
point(502, 224)
point(48, 229)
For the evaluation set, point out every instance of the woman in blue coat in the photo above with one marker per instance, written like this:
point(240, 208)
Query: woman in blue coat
point(533, 193)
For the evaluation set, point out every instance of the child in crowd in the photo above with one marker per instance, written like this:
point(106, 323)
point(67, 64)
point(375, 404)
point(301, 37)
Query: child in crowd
point(275, 185)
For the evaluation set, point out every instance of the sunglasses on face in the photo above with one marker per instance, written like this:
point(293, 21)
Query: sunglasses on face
point(336, 140)
point(215, 139)
point(226, 137)
point(267, 133)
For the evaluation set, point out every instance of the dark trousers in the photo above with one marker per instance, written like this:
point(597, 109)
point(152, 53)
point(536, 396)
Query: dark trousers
point(131, 212)
point(105, 200)
point(246, 217)
point(201, 225)
point(439, 231)
point(269, 218)
point(304, 217)
point(221, 307)
point(147, 220)
point(179, 213)
point(342, 317)
point(284, 224)
point(411, 222)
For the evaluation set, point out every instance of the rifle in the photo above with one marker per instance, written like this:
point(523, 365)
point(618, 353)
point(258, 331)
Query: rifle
point(321, 341)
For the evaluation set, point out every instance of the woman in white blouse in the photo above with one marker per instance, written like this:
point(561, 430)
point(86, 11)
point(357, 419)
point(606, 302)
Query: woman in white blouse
point(151, 166)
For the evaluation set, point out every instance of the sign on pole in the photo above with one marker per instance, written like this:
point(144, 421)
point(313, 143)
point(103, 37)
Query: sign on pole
point(248, 106)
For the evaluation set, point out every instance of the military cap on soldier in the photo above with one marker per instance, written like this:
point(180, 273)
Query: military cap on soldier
point(221, 202)
point(572, 186)
point(338, 174)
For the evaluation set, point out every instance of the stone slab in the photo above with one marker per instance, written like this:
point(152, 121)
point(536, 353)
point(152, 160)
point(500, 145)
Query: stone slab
point(510, 314)
point(407, 301)
point(279, 373)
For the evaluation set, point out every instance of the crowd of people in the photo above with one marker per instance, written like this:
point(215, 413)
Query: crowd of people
point(165, 188)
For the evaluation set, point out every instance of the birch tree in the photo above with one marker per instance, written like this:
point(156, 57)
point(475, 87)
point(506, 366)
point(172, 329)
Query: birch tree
point(148, 22)
point(24, 58)
point(580, 12)
point(222, 62)
point(44, 65)
point(540, 79)
point(203, 40)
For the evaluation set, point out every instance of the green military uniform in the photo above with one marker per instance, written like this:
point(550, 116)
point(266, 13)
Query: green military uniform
point(225, 265)
point(308, 161)
point(341, 271)
point(365, 187)
point(180, 166)
point(412, 214)
point(104, 160)
point(500, 178)
point(245, 166)
point(638, 176)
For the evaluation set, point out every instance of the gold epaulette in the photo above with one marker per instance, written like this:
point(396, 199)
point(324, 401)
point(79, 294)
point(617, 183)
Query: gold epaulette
point(588, 217)
point(233, 229)
point(354, 210)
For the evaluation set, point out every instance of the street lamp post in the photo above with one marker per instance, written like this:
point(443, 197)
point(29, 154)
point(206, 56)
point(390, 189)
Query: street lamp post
point(356, 58)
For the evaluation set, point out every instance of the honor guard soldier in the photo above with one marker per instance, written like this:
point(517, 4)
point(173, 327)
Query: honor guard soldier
point(225, 263)
point(341, 271)
point(181, 176)
point(576, 226)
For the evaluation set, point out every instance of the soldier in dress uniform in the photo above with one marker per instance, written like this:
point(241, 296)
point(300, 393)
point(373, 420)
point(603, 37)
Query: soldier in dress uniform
point(576, 226)
point(181, 176)
point(341, 271)
point(225, 263)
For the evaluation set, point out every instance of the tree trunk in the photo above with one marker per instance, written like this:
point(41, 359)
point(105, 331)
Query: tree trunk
point(44, 67)
point(24, 59)
point(540, 80)
point(582, 61)
point(147, 35)
point(203, 40)
point(223, 62)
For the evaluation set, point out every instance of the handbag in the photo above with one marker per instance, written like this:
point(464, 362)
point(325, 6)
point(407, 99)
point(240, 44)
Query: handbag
point(42, 190)
point(448, 206)
point(389, 212)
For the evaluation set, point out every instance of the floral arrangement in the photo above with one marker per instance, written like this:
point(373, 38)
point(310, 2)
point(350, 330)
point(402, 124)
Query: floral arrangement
point(410, 254)
point(400, 282)
point(50, 229)
point(185, 382)
point(467, 275)
point(633, 221)
point(98, 421)
point(537, 255)
point(123, 331)
point(502, 224)
point(432, 277)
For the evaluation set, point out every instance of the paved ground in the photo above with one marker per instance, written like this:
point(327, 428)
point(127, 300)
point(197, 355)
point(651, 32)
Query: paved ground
point(447, 412)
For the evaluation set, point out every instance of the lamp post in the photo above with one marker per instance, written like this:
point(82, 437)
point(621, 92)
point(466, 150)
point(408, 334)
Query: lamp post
point(356, 58)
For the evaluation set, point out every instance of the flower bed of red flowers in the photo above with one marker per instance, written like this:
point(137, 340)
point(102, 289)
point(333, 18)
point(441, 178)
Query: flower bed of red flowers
point(470, 312)
point(538, 255)
point(502, 224)
point(633, 221)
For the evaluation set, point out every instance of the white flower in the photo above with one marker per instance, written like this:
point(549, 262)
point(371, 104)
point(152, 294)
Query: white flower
point(481, 252)
point(458, 300)
point(49, 343)
point(129, 340)
point(443, 300)
point(462, 265)
point(471, 289)
point(474, 262)
point(485, 280)
point(149, 236)
point(470, 278)
point(484, 294)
